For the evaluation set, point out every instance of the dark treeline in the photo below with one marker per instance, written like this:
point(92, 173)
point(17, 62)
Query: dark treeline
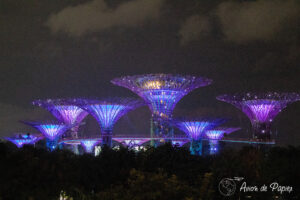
point(159, 173)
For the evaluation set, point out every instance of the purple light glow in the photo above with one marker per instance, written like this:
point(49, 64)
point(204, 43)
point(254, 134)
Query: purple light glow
point(51, 130)
point(196, 129)
point(22, 139)
point(108, 112)
point(89, 145)
point(215, 134)
point(261, 109)
point(161, 91)
point(64, 111)
point(131, 142)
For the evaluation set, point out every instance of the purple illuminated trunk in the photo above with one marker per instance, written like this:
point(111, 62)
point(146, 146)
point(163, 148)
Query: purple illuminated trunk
point(106, 137)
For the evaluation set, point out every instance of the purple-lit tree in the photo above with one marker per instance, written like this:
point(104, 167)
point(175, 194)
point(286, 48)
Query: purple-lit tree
point(261, 109)
point(89, 144)
point(108, 112)
point(21, 139)
point(161, 92)
point(52, 131)
point(214, 135)
point(64, 111)
point(131, 142)
point(195, 130)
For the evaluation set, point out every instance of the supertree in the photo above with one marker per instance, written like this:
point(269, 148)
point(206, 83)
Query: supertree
point(51, 130)
point(132, 142)
point(261, 109)
point(20, 139)
point(89, 144)
point(161, 92)
point(64, 111)
point(195, 129)
point(216, 134)
point(107, 112)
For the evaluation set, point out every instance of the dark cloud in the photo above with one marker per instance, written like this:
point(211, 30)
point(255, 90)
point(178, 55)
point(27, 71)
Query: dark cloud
point(256, 20)
point(244, 21)
point(193, 28)
point(96, 16)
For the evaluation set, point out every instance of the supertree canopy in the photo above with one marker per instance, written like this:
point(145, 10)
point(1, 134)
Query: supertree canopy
point(261, 108)
point(52, 131)
point(64, 111)
point(195, 130)
point(216, 134)
point(108, 112)
point(89, 144)
point(132, 142)
point(161, 92)
point(20, 139)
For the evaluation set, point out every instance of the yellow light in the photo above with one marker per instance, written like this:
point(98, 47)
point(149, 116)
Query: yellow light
point(153, 85)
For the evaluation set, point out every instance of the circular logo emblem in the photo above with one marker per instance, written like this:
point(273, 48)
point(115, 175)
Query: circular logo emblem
point(227, 186)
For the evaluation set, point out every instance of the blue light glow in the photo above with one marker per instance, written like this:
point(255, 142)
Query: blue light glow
point(195, 129)
point(179, 143)
point(89, 145)
point(215, 134)
point(52, 131)
point(106, 114)
point(162, 102)
point(23, 139)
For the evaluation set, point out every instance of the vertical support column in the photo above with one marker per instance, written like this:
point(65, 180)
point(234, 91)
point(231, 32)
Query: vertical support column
point(213, 147)
point(152, 142)
point(196, 147)
point(51, 144)
point(107, 138)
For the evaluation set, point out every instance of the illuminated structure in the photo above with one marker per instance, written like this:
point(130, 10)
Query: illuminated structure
point(195, 130)
point(132, 142)
point(20, 139)
point(161, 92)
point(179, 143)
point(108, 112)
point(64, 111)
point(261, 109)
point(89, 144)
point(52, 131)
point(214, 135)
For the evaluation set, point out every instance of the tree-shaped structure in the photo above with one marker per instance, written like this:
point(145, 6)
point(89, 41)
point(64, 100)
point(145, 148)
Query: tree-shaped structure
point(107, 112)
point(216, 134)
point(64, 111)
point(21, 139)
point(89, 144)
point(195, 129)
point(161, 92)
point(51, 130)
point(261, 109)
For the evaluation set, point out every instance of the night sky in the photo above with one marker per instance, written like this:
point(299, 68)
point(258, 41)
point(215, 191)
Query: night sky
point(67, 48)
